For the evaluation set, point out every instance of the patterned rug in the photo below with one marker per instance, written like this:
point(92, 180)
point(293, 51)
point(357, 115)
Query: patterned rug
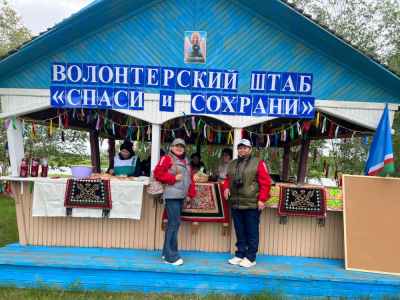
point(87, 193)
point(209, 205)
point(334, 199)
point(301, 201)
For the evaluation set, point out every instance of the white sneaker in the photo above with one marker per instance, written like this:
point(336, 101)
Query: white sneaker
point(235, 260)
point(177, 263)
point(246, 263)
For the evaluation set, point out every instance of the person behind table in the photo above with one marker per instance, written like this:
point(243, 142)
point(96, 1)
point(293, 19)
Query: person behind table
point(196, 163)
point(223, 167)
point(179, 188)
point(248, 186)
point(146, 164)
point(125, 162)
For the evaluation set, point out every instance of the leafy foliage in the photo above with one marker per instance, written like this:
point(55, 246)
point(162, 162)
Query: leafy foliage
point(60, 153)
point(396, 144)
point(13, 33)
point(372, 26)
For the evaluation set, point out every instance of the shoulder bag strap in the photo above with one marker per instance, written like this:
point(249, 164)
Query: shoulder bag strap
point(176, 166)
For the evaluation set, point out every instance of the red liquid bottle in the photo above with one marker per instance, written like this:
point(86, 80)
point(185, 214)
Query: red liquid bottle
point(45, 166)
point(24, 167)
point(35, 166)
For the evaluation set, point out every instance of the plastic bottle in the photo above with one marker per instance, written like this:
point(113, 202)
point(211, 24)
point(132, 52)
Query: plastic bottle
point(35, 166)
point(24, 167)
point(45, 166)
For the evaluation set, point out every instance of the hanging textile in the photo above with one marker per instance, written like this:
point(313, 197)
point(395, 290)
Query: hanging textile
point(301, 201)
point(88, 194)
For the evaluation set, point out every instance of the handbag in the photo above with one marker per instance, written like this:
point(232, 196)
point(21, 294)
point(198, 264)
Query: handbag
point(156, 188)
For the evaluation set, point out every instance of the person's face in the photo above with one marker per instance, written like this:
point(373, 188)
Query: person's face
point(178, 149)
point(195, 39)
point(195, 160)
point(226, 157)
point(125, 153)
point(243, 150)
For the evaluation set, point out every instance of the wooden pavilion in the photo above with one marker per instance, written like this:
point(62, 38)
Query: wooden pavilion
point(350, 89)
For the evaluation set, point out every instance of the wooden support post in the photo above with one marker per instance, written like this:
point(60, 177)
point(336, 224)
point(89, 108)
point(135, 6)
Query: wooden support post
point(155, 145)
point(95, 151)
point(16, 147)
point(285, 164)
point(237, 136)
point(111, 154)
point(302, 171)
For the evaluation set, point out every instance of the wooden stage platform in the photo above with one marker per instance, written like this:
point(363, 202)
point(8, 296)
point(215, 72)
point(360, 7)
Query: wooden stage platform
point(122, 270)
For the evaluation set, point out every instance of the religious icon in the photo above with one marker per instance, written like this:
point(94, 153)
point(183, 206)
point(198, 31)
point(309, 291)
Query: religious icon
point(195, 47)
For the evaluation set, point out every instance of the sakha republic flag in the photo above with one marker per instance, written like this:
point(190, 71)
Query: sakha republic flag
point(380, 156)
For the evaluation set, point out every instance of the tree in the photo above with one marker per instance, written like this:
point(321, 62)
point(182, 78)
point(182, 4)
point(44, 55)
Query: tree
point(60, 153)
point(372, 26)
point(13, 33)
point(396, 144)
point(4, 161)
point(349, 158)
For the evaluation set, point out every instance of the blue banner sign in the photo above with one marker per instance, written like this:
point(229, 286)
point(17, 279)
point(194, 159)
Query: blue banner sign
point(104, 98)
point(281, 83)
point(144, 76)
point(252, 105)
point(115, 86)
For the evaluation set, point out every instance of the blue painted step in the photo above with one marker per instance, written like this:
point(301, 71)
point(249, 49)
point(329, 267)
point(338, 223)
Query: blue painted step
point(202, 273)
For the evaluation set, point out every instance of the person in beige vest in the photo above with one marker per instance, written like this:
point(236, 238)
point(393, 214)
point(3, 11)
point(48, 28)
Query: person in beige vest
point(247, 186)
point(223, 167)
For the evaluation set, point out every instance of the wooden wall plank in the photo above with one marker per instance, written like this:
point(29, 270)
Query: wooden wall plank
point(19, 206)
point(152, 220)
point(68, 229)
point(98, 238)
point(92, 232)
point(74, 232)
point(28, 216)
point(300, 237)
point(117, 233)
point(63, 231)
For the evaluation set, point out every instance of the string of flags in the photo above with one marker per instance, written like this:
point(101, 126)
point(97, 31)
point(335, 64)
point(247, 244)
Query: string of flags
point(126, 130)
point(210, 132)
point(324, 125)
point(134, 128)
point(32, 131)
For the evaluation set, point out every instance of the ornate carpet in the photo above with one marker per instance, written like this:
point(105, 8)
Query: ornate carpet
point(209, 205)
point(88, 193)
point(334, 197)
point(302, 201)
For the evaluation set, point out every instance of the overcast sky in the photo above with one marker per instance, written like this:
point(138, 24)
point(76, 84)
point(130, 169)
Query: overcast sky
point(39, 15)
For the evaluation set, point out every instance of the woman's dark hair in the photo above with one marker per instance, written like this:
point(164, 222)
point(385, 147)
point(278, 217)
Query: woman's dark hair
point(195, 154)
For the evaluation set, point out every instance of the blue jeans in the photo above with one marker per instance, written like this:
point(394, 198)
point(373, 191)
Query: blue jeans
point(174, 208)
point(247, 223)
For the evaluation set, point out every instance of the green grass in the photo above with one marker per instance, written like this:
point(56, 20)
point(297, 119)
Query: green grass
point(50, 293)
point(103, 164)
point(8, 221)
